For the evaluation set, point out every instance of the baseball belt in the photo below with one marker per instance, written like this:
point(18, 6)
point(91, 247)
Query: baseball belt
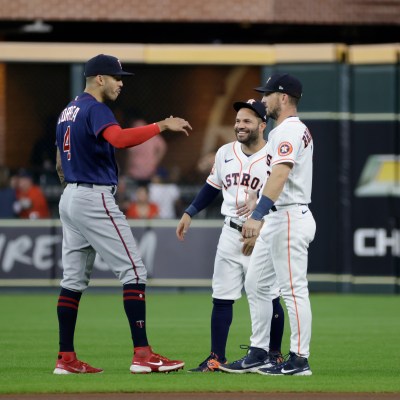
point(235, 226)
point(273, 208)
point(91, 185)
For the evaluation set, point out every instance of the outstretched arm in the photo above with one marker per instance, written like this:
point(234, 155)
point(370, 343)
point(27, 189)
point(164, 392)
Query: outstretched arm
point(129, 137)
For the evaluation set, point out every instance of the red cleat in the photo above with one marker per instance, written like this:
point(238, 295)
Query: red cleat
point(145, 361)
point(67, 363)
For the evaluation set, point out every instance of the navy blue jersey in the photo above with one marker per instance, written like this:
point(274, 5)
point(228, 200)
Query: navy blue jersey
point(86, 157)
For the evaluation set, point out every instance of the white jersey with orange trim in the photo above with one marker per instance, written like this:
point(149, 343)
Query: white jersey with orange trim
point(288, 230)
point(233, 172)
point(291, 142)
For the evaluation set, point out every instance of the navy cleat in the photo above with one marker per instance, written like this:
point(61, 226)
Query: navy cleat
point(211, 364)
point(254, 359)
point(294, 365)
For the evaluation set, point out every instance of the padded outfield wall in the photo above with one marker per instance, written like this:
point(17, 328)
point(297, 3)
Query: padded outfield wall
point(350, 103)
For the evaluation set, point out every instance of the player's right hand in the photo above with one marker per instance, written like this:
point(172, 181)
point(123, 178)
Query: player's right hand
point(175, 124)
point(183, 226)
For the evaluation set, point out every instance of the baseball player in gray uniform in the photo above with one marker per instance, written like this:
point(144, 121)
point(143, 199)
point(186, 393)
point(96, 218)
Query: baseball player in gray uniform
point(239, 167)
point(288, 229)
point(87, 134)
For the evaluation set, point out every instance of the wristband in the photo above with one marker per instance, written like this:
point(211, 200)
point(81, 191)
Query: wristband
point(263, 206)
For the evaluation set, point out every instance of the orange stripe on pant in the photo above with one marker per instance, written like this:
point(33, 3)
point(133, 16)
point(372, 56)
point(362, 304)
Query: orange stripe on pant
point(291, 286)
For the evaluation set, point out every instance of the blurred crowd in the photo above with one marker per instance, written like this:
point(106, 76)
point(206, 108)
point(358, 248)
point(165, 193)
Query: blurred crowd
point(22, 195)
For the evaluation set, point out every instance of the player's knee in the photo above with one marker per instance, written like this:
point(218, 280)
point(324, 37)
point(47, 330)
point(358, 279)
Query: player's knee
point(75, 285)
point(222, 302)
point(130, 277)
point(250, 288)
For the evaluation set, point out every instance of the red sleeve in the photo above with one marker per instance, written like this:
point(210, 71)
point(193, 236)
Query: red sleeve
point(123, 138)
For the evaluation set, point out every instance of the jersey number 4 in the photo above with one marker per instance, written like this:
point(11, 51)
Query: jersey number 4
point(67, 143)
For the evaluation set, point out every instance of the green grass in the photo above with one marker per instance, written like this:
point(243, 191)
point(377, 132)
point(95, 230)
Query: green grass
point(354, 346)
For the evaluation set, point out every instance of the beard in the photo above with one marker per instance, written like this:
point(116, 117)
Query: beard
point(252, 137)
point(273, 113)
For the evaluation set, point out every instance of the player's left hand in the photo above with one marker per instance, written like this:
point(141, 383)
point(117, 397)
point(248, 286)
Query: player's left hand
point(251, 202)
point(248, 245)
point(243, 210)
point(251, 228)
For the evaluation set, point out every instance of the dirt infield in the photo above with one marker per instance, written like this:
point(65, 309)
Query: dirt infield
point(208, 396)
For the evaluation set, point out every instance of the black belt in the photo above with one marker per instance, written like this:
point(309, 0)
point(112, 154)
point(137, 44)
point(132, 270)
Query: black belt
point(90, 186)
point(235, 226)
point(273, 208)
point(86, 185)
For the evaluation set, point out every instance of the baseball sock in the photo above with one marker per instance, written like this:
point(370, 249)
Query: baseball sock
point(67, 312)
point(277, 325)
point(135, 309)
point(221, 319)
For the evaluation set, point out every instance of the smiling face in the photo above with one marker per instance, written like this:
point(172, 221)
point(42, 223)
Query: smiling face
point(248, 127)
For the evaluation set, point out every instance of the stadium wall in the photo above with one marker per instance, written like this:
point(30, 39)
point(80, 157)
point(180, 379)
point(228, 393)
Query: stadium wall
point(350, 102)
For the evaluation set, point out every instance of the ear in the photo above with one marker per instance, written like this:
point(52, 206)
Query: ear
point(284, 98)
point(100, 80)
point(262, 126)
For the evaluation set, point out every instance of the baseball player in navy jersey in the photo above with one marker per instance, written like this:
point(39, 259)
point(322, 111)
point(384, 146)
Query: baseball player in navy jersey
point(288, 227)
point(87, 134)
point(239, 167)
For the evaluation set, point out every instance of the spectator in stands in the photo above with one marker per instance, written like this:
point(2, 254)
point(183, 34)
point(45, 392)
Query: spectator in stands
point(142, 161)
point(8, 196)
point(31, 202)
point(167, 195)
point(142, 207)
